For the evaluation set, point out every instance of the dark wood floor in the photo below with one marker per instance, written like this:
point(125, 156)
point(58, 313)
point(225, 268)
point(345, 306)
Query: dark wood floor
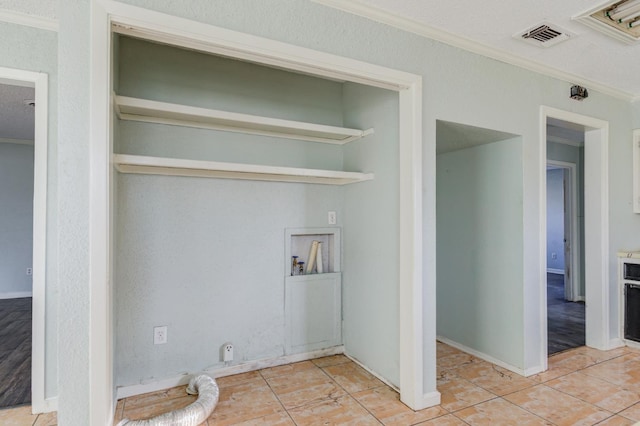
point(15, 352)
point(565, 321)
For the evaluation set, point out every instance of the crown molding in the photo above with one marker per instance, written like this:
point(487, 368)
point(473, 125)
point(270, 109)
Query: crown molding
point(34, 21)
point(357, 7)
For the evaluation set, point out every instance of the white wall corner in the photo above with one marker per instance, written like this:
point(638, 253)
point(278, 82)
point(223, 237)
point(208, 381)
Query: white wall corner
point(488, 358)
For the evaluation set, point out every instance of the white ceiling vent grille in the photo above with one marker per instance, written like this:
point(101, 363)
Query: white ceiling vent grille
point(543, 35)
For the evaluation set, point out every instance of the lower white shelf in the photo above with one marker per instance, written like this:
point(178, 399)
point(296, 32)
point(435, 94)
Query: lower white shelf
point(212, 169)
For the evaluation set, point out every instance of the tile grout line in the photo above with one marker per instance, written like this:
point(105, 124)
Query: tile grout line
point(347, 392)
point(590, 403)
point(286, 410)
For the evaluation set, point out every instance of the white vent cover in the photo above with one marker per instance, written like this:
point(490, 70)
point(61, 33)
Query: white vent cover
point(544, 34)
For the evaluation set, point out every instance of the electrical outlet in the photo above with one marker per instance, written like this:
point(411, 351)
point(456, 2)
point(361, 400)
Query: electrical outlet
point(160, 335)
point(554, 255)
point(332, 218)
point(227, 352)
point(29, 271)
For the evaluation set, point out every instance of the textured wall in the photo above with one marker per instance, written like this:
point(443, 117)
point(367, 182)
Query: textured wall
point(371, 233)
point(16, 218)
point(44, 8)
point(73, 213)
point(494, 95)
point(480, 244)
point(205, 256)
point(458, 87)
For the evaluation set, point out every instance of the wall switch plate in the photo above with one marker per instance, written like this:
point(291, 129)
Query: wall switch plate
point(227, 352)
point(332, 218)
point(29, 271)
point(160, 335)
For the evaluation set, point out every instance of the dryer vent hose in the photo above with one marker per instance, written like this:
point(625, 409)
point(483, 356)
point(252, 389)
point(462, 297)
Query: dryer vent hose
point(192, 415)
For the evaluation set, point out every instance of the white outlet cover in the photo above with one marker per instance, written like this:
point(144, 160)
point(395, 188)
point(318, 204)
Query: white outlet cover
point(160, 335)
point(332, 218)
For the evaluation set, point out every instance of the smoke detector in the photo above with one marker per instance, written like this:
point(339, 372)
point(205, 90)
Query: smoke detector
point(544, 34)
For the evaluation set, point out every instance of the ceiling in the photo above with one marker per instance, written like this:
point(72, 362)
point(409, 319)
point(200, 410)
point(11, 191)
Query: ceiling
point(588, 58)
point(16, 117)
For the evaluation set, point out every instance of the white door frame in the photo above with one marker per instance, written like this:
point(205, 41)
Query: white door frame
point(571, 213)
point(416, 362)
point(39, 81)
point(596, 219)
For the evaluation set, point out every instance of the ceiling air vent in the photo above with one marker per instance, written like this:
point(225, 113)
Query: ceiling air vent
point(544, 35)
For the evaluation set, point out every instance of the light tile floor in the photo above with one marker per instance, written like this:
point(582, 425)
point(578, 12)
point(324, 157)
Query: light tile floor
point(583, 386)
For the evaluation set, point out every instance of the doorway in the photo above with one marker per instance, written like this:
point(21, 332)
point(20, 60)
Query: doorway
point(31, 87)
point(16, 219)
point(565, 228)
point(596, 236)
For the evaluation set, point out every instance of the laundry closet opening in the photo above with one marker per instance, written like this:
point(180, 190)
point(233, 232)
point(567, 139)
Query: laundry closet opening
point(221, 164)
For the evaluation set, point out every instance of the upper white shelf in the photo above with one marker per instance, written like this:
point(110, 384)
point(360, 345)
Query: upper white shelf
point(214, 169)
point(183, 115)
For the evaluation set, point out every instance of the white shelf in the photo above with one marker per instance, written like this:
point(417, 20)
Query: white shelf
point(183, 115)
point(213, 169)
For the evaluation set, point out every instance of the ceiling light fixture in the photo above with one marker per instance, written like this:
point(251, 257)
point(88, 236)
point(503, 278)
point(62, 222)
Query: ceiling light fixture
point(624, 11)
point(618, 19)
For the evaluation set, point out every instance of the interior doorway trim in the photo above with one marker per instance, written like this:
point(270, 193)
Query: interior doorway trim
point(39, 81)
point(417, 365)
point(574, 228)
point(596, 241)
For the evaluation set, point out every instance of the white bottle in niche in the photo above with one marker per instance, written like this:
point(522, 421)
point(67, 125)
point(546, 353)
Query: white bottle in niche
point(319, 266)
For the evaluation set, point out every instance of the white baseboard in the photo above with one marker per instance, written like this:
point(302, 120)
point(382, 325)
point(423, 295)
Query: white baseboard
point(618, 343)
point(431, 399)
point(484, 356)
point(16, 295)
point(555, 271)
point(533, 371)
point(373, 373)
point(183, 379)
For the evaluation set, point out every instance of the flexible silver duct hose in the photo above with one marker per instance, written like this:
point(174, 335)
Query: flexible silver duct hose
point(192, 415)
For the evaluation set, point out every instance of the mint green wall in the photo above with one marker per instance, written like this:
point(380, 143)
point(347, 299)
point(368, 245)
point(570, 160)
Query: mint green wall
point(36, 50)
point(205, 256)
point(480, 249)
point(74, 144)
point(371, 231)
point(458, 87)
